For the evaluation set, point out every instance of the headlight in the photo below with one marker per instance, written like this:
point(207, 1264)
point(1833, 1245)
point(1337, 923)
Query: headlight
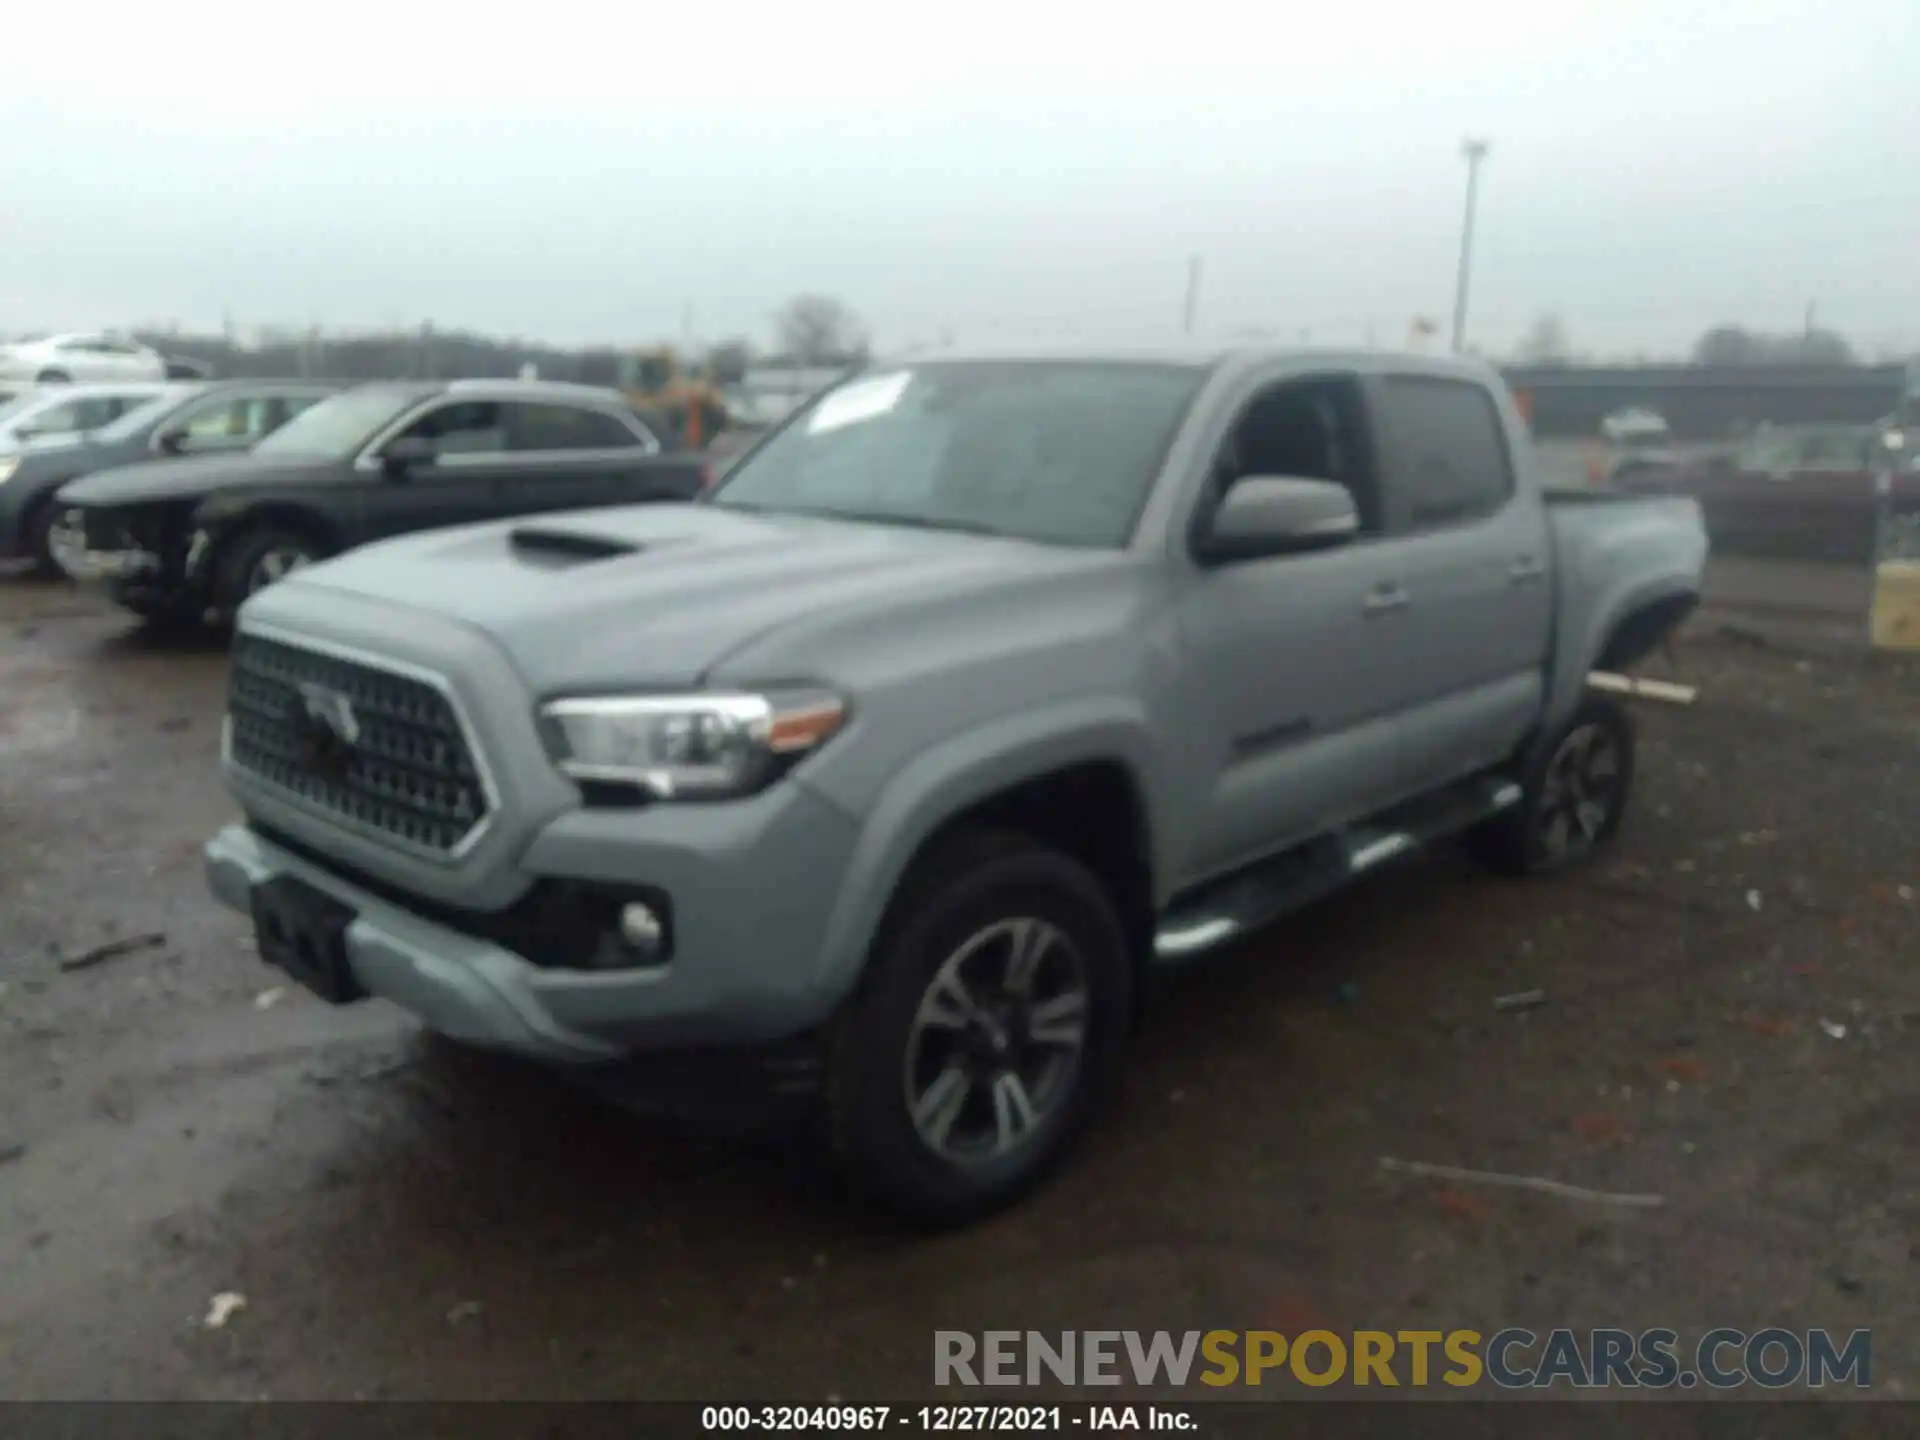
point(688, 747)
point(7, 467)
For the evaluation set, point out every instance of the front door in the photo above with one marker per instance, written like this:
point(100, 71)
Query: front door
point(470, 466)
point(1289, 686)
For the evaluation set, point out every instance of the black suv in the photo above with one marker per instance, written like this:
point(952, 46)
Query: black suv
point(190, 539)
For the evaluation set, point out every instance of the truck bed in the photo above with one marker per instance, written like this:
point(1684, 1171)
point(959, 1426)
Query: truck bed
point(1627, 567)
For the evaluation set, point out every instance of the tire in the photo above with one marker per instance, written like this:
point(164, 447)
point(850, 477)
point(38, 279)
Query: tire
point(963, 913)
point(37, 543)
point(52, 377)
point(254, 559)
point(1575, 793)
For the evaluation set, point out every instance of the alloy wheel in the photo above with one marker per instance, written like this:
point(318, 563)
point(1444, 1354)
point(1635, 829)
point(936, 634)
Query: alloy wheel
point(1579, 794)
point(997, 1042)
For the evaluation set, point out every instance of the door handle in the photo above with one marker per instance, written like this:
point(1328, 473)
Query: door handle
point(1383, 599)
point(1526, 570)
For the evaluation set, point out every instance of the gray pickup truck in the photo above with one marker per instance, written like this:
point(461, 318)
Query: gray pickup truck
point(897, 768)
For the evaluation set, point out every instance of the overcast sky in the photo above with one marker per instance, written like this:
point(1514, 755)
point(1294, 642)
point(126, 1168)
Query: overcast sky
point(593, 172)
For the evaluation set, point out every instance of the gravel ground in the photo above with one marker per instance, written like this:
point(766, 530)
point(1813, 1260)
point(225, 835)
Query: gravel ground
point(406, 1222)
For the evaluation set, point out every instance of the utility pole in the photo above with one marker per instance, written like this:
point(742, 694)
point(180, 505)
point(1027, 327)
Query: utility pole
point(1475, 151)
point(1193, 293)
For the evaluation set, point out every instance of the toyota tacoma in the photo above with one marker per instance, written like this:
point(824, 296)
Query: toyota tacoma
point(899, 766)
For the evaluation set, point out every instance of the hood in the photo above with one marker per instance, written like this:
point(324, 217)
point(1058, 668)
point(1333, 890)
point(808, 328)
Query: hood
point(658, 595)
point(186, 477)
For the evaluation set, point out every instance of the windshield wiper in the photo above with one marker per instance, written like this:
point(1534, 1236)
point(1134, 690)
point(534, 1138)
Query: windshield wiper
point(915, 522)
point(869, 517)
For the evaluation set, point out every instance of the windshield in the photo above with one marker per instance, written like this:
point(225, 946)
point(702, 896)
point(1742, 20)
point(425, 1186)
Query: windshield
point(135, 420)
point(339, 425)
point(1060, 452)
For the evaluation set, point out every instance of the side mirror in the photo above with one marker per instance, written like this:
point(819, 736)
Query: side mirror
point(173, 442)
point(405, 454)
point(1278, 515)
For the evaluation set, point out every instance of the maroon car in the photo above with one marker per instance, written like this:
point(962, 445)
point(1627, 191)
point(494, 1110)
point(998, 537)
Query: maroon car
point(1801, 490)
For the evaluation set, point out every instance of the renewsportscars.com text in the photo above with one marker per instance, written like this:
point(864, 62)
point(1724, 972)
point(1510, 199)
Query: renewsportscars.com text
point(1723, 1358)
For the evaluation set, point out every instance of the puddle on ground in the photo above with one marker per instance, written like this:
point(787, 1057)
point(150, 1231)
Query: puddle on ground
point(37, 710)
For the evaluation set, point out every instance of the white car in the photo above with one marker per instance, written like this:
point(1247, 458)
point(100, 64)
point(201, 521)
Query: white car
point(55, 358)
point(63, 414)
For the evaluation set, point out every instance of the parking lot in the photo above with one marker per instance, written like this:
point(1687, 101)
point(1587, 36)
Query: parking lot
point(1731, 1022)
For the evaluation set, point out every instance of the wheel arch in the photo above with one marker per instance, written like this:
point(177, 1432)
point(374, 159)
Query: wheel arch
point(1614, 636)
point(1081, 784)
point(231, 527)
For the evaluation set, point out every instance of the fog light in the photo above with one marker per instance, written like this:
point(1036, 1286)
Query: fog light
point(641, 929)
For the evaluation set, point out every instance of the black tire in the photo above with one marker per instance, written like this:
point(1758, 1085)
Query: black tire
point(36, 534)
point(949, 912)
point(238, 571)
point(1551, 828)
point(52, 377)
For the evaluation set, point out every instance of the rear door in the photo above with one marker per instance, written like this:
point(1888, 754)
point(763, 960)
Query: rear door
point(565, 456)
point(1467, 643)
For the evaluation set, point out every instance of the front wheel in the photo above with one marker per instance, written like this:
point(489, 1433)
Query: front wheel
point(37, 541)
point(991, 1023)
point(1574, 795)
point(259, 558)
point(52, 377)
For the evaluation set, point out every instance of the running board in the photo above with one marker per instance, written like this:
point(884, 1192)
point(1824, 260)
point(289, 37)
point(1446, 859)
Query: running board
point(1254, 897)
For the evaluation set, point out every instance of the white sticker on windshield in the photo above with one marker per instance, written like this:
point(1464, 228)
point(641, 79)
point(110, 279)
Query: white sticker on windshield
point(857, 401)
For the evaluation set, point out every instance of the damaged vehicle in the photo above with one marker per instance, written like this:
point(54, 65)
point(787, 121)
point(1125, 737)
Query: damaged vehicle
point(189, 540)
point(986, 691)
point(197, 421)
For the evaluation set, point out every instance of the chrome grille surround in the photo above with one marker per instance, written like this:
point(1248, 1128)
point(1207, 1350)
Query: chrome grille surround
point(415, 780)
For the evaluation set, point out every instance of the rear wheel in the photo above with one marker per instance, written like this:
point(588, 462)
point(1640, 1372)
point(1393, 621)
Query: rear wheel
point(52, 377)
point(990, 1025)
point(1575, 794)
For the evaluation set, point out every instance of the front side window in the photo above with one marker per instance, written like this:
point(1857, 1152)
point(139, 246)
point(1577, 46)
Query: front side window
point(470, 427)
point(1307, 429)
point(1451, 463)
point(1062, 452)
point(70, 416)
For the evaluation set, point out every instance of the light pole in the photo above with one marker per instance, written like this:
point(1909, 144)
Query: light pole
point(1475, 151)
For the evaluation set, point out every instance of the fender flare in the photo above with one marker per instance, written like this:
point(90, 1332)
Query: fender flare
point(950, 778)
point(1579, 657)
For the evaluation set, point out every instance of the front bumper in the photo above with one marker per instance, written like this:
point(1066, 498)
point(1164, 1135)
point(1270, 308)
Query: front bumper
point(67, 539)
point(747, 922)
point(462, 987)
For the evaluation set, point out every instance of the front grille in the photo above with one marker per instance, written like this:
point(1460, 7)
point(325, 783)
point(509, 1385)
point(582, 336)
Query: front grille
point(407, 775)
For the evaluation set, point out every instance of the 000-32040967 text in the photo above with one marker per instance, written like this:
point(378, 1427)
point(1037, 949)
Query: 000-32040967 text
point(831, 1418)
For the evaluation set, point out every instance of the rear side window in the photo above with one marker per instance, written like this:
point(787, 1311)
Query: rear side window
point(1450, 461)
point(565, 427)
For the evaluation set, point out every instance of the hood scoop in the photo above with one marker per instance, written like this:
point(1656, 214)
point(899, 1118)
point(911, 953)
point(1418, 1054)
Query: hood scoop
point(555, 548)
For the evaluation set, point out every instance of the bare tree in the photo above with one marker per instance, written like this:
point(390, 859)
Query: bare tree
point(1545, 342)
point(818, 330)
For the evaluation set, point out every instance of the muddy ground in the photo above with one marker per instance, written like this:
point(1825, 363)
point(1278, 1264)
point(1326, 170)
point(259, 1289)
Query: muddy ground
point(405, 1222)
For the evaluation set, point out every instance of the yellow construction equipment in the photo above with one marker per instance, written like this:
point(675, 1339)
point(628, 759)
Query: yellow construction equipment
point(684, 395)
